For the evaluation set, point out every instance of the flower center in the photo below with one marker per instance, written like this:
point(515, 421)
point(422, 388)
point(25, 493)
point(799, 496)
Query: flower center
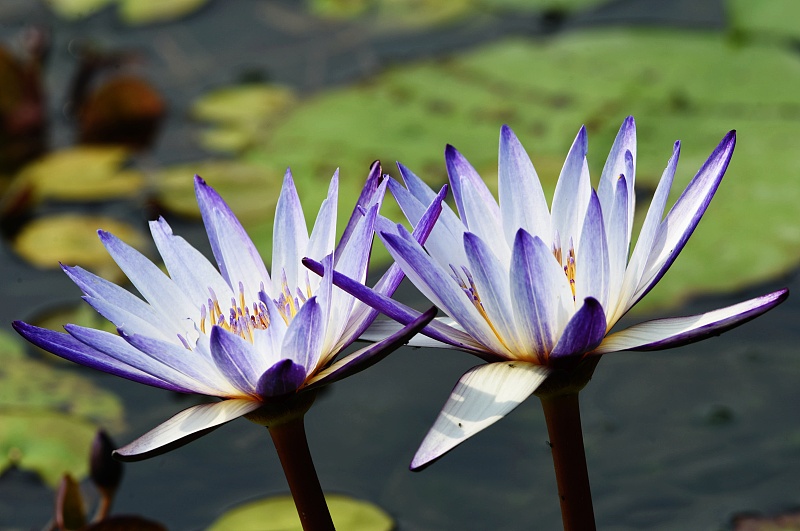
point(567, 263)
point(240, 319)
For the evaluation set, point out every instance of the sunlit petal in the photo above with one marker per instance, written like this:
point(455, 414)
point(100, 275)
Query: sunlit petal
point(482, 396)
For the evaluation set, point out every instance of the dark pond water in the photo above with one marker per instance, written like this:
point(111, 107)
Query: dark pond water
point(677, 440)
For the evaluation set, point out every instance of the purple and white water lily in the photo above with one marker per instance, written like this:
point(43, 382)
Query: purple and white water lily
point(235, 332)
point(532, 289)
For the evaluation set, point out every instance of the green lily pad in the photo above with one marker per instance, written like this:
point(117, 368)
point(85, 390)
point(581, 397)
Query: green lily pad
point(771, 18)
point(678, 85)
point(279, 514)
point(72, 239)
point(85, 173)
point(77, 9)
point(134, 12)
point(243, 114)
point(49, 415)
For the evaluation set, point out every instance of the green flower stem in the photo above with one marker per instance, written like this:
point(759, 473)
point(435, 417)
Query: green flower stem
point(290, 442)
point(563, 416)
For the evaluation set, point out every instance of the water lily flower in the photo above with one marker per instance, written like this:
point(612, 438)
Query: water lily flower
point(536, 291)
point(235, 332)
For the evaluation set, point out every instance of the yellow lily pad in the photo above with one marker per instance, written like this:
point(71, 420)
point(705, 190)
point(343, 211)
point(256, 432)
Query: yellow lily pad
point(250, 189)
point(84, 173)
point(279, 514)
point(72, 239)
point(243, 114)
point(136, 12)
point(77, 9)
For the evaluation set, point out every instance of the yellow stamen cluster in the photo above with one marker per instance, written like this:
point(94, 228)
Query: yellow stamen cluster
point(471, 290)
point(241, 319)
point(568, 265)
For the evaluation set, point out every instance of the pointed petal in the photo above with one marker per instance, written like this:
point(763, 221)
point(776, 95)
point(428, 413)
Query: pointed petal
point(619, 163)
point(483, 395)
point(237, 257)
point(369, 356)
point(289, 237)
point(69, 348)
point(647, 234)
point(282, 378)
point(235, 359)
point(492, 284)
point(100, 288)
point(583, 332)
point(539, 286)
point(323, 235)
point(573, 192)
point(591, 256)
point(367, 196)
point(303, 338)
point(162, 355)
point(522, 200)
point(441, 289)
point(187, 266)
point(116, 347)
point(661, 334)
point(685, 214)
point(460, 172)
point(122, 318)
point(155, 286)
point(485, 227)
point(185, 427)
point(618, 233)
point(400, 312)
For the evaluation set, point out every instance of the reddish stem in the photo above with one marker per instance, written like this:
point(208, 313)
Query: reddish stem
point(563, 416)
point(292, 446)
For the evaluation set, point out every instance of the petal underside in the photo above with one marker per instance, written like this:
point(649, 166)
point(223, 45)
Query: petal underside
point(483, 395)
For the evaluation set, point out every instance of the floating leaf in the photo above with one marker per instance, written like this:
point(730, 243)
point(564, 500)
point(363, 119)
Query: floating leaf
point(49, 416)
point(279, 514)
point(243, 114)
point(86, 173)
point(76, 9)
point(252, 190)
point(32, 385)
point(72, 239)
point(686, 86)
point(136, 12)
point(45, 442)
point(773, 18)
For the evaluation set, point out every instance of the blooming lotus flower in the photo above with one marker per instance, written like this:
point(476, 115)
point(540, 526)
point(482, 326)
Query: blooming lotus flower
point(536, 291)
point(234, 333)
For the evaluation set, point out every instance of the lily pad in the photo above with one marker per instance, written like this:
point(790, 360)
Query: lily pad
point(72, 239)
point(771, 18)
point(279, 514)
point(77, 9)
point(242, 114)
point(688, 86)
point(134, 12)
point(78, 174)
point(48, 415)
point(252, 190)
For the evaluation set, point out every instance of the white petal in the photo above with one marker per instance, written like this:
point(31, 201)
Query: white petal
point(188, 422)
point(676, 331)
point(289, 236)
point(482, 396)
